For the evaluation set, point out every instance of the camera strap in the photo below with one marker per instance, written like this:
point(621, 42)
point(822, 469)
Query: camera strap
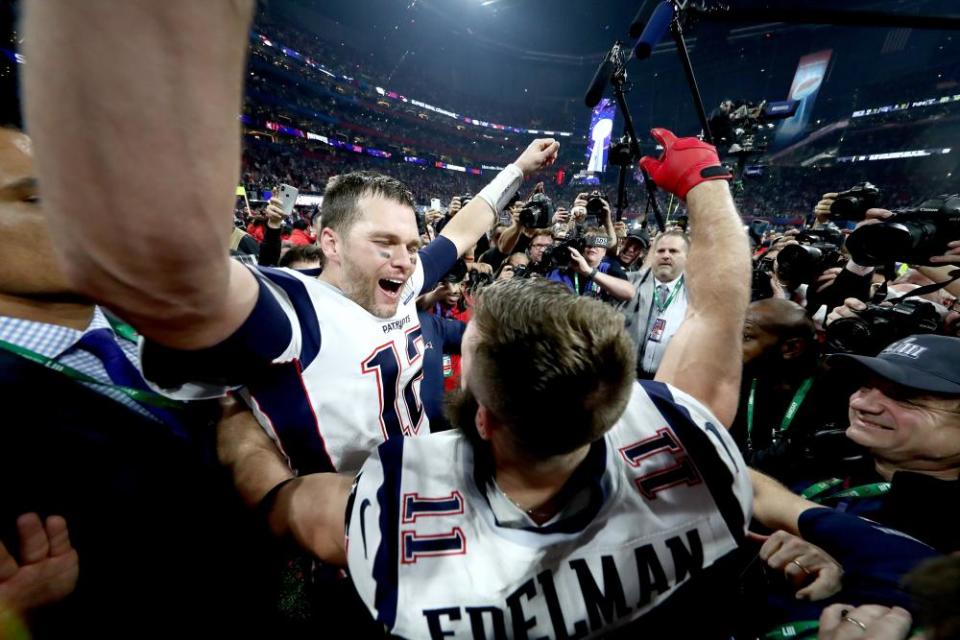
point(788, 416)
point(929, 288)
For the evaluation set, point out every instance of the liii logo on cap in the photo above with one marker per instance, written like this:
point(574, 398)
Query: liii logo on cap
point(904, 348)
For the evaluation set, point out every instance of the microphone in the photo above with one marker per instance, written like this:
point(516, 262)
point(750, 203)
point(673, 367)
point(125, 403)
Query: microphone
point(656, 28)
point(636, 27)
point(599, 83)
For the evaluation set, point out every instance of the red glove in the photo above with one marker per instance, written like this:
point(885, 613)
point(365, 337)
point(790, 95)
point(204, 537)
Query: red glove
point(685, 163)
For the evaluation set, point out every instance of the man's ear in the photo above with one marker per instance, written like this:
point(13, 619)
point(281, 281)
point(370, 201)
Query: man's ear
point(331, 244)
point(793, 348)
point(485, 422)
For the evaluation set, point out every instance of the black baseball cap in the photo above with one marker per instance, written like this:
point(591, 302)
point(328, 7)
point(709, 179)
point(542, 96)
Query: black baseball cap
point(926, 362)
point(637, 232)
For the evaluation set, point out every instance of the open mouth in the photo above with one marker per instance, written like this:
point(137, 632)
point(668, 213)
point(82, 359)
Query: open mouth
point(390, 287)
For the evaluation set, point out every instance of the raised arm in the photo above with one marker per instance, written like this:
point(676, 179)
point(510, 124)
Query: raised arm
point(704, 358)
point(471, 222)
point(133, 109)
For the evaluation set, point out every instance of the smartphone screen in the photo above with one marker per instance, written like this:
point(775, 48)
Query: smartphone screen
point(435, 203)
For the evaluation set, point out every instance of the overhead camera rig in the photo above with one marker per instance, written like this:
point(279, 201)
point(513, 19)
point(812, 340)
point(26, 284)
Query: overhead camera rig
point(649, 27)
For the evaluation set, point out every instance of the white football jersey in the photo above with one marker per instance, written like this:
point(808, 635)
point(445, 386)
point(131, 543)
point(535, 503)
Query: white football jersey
point(345, 381)
point(670, 497)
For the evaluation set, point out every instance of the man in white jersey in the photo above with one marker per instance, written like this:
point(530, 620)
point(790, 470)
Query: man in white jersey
point(573, 501)
point(331, 367)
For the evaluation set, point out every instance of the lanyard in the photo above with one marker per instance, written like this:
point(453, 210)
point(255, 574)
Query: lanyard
point(797, 629)
point(871, 490)
point(124, 330)
point(817, 488)
point(592, 287)
point(140, 395)
point(663, 307)
point(791, 412)
point(815, 491)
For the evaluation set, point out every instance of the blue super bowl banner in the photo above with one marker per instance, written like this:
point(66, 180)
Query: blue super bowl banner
point(806, 85)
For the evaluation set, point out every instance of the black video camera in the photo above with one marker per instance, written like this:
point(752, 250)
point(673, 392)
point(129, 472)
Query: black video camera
point(537, 212)
point(910, 235)
point(819, 250)
point(853, 203)
point(558, 256)
point(880, 325)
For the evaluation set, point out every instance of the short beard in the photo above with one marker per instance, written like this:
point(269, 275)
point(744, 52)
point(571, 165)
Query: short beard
point(357, 287)
point(460, 407)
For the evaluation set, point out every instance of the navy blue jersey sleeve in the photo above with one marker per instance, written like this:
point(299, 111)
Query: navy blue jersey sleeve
point(874, 558)
point(453, 331)
point(437, 259)
point(282, 326)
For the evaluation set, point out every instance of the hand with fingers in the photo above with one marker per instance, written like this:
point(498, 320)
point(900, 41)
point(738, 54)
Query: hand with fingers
point(48, 566)
point(480, 267)
point(849, 309)
point(952, 256)
point(541, 153)
point(869, 622)
point(684, 164)
point(826, 278)
point(582, 266)
point(274, 213)
point(822, 208)
point(811, 569)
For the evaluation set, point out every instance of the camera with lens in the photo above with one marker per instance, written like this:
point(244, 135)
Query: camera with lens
point(853, 203)
point(817, 251)
point(910, 235)
point(477, 280)
point(464, 199)
point(595, 205)
point(879, 325)
point(537, 212)
point(558, 256)
point(760, 288)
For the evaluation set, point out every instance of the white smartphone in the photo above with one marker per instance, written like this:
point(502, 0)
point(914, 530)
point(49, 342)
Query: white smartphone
point(288, 198)
point(435, 204)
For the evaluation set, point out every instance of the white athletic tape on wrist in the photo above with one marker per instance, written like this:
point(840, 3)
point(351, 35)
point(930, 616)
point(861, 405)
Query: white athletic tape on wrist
point(498, 193)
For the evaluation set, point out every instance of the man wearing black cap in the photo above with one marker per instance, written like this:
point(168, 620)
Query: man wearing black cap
point(906, 414)
point(634, 248)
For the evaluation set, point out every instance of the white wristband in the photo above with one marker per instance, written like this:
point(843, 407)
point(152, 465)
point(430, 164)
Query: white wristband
point(860, 270)
point(498, 193)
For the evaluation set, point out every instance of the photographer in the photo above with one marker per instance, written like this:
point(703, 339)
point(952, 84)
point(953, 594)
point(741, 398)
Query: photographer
point(523, 226)
point(924, 236)
point(513, 267)
point(906, 414)
point(592, 273)
point(785, 398)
